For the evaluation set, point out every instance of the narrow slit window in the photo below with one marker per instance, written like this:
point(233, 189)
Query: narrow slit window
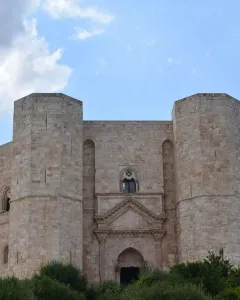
point(5, 255)
point(6, 201)
point(7, 204)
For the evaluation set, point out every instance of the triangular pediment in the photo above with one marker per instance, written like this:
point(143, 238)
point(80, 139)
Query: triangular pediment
point(130, 220)
point(129, 204)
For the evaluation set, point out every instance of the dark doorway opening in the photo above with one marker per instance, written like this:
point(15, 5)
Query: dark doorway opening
point(127, 275)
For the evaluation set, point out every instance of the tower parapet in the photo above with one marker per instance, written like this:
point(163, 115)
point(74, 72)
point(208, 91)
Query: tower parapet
point(46, 188)
point(207, 153)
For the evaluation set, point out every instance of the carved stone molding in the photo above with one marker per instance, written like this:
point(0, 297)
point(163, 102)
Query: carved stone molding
point(130, 233)
point(158, 234)
point(129, 204)
point(101, 235)
point(96, 195)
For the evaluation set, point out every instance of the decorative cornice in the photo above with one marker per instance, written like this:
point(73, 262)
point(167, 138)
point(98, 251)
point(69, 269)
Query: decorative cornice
point(129, 204)
point(158, 234)
point(130, 233)
point(132, 194)
point(103, 234)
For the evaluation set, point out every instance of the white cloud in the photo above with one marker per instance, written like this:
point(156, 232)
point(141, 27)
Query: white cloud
point(83, 34)
point(12, 13)
point(73, 9)
point(27, 65)
point(174, 61)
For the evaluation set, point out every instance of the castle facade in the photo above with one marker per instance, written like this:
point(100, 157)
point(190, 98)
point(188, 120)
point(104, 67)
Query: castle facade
point(113, 196)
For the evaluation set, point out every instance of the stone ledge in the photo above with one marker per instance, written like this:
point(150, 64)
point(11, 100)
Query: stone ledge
point(48, 196)
point(208, 196)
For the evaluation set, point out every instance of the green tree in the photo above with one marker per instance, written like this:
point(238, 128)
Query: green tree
point(46, 288)
point(67, 274)
point(212, 273)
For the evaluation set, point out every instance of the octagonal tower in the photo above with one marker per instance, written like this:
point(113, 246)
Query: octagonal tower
point(207, 153)
point(45, 220)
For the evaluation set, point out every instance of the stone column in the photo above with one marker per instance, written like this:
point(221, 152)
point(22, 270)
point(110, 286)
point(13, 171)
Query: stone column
point(101, 236)
point(158, 235)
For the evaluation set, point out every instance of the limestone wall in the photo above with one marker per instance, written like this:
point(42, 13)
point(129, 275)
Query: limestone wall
point(207, 135)
point(118, 145)
point(122, 144)
point(46, 210)
point(5, 180)
point(57, 161)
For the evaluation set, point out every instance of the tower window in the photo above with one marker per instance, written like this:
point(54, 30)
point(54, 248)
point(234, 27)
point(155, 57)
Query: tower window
point(129, 183)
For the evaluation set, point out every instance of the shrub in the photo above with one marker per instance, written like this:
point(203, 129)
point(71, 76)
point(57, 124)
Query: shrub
point(66, 274)
point(108, 290)
point(212, 273)
point(14, 289)
point(151, 277)
point(228, 294)
point(103, 291)
point(91, 292)
point(46, 288)
point(164, 291)
point(234, 278)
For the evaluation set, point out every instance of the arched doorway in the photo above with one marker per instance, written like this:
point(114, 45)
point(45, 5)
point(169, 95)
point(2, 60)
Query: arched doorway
point(129, 263)
point(129, 274)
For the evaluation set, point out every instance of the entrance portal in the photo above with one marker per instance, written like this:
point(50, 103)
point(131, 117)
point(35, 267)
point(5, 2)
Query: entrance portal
point(128, 266)
point(128, 275)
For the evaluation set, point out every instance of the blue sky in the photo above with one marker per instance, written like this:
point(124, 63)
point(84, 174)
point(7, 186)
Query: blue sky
point(125, 59)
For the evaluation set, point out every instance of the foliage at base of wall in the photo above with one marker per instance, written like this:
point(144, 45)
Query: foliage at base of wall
point(214, 278)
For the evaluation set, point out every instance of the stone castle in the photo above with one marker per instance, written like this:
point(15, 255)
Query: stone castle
point(113, 196)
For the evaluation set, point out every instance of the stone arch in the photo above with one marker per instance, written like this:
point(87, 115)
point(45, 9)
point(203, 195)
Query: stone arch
point(5, 254)
point(89, 142)
point(5, 203)
point(129, 182)
point(167, 148)
point(129, 258)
